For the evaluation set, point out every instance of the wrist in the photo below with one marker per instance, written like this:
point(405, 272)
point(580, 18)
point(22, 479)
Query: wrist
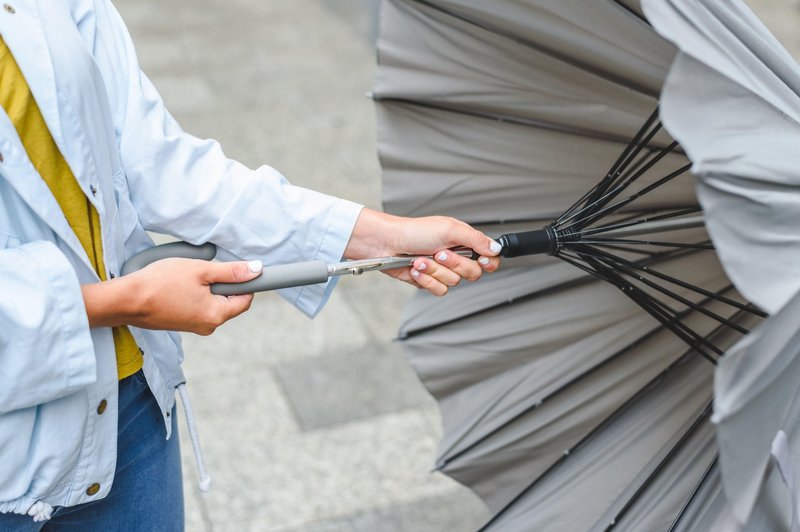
point(113, 303)
point(374, 235)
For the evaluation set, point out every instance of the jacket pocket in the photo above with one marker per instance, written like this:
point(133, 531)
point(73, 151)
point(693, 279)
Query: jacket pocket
point(41, 446)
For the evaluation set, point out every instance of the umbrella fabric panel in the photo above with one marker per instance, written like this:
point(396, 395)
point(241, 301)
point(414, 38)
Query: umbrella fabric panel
point(547, 359)
point(757, 386)
point(484, 171)
point(519, 449)
point(659, 504)
point(576, 32)
point(581, 490)
point(445, 61)
point(746, 159)
point(728, 38)
point(710, 511)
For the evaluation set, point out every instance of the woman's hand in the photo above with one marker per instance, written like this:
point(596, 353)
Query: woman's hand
point(378, 234)
point(170, 294)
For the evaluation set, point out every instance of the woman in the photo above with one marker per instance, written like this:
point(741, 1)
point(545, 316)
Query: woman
point(89, 160)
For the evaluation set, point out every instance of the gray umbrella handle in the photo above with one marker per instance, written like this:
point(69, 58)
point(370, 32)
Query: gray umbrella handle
point(272, 277)
point(276, 277)
point(182, 250)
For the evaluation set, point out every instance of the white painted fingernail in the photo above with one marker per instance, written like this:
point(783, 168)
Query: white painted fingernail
point(484, 261)
point(414, 273)
point(255, 266)
point(495, 247)
point(422, 266)
point(442, 256)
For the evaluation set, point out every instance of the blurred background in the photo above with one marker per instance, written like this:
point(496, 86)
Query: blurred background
point(312, 426)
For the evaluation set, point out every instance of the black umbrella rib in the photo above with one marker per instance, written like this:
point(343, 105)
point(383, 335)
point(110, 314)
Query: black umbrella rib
point(716, 296)
point(662, 326)
point(693, 428)
point(621, 248)
point(517, 120)
point(687, 503)
point(622, 225)
point(546, 50)
point(619, 175)
point(571, 382)
point(659, 311)
point(606, 241)
point(609, 209)
point(634, 146)
point(592, 433)
point(684, 358)
point(618, 264)
point(694, 208)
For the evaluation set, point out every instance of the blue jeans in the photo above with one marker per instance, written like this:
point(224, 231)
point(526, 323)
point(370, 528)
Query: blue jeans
point(147, 494)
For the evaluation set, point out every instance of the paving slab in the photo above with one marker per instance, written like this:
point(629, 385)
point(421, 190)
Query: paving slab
point(325, 474)
point(340, 387)
point(458, 510)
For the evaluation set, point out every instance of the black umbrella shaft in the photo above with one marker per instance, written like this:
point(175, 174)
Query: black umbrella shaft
point(528, 243)
point(549, 240)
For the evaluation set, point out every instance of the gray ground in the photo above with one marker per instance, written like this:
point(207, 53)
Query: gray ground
point(306, 425)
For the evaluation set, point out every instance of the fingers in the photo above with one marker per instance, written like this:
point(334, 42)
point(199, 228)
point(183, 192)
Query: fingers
point(446, 270)
point(489, 264)
point(428, 281)
point(235, 305)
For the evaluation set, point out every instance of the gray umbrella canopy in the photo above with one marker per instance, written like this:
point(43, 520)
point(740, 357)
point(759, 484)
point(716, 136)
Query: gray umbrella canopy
point(733, 99)
point(569, 399)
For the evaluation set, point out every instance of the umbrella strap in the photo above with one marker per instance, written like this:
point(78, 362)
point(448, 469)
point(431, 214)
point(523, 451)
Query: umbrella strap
point(783, 458)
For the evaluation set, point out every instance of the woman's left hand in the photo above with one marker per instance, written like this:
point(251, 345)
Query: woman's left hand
point(378, 234)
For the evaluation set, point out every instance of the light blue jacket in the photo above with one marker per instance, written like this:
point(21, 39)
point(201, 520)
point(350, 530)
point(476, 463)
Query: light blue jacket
point(141, 172)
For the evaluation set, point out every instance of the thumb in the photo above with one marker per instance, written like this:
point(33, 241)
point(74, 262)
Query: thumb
point(232, 272)
point(478, 242)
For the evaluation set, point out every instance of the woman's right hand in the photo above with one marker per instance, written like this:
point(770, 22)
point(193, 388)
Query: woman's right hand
point(170, 294)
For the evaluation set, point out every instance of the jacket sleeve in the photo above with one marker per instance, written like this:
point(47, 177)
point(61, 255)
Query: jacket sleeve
point(46, 349)
point(186, 187)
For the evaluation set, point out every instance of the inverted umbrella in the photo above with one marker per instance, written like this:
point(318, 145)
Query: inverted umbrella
point(575, 394)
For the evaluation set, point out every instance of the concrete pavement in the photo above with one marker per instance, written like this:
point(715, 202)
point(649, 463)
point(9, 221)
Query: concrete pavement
point(306, 425)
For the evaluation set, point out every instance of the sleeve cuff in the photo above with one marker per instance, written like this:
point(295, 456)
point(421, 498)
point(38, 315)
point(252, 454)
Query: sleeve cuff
point(335, 236)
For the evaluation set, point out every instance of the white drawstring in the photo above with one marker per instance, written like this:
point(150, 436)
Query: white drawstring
point(40, 511)
point(205, 481)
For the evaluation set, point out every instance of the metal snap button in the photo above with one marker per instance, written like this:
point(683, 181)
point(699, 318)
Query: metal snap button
point(93, 489)
point(9, 8)
point(102, 407)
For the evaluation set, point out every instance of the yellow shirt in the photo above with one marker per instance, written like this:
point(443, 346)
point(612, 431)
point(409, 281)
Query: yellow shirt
point(18, 102)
